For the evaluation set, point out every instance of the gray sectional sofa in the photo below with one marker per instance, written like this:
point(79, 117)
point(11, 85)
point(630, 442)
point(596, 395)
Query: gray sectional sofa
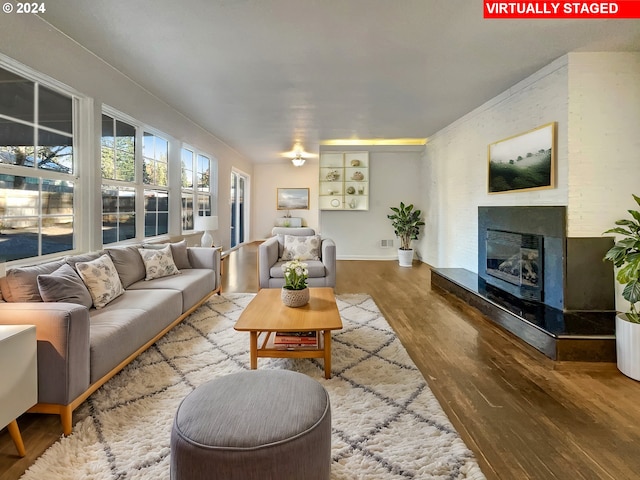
point(80, 347)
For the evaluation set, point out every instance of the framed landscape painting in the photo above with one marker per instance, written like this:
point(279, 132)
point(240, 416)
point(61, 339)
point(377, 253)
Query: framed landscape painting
point(293, 199)
point(523, 162)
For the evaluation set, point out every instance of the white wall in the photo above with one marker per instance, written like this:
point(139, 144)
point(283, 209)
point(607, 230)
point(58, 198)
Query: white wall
point(31, 41)
point(394, 176)
point(456, 164)
point(267, 179)
point(604, 140)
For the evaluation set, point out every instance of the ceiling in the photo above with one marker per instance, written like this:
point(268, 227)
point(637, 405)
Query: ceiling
point(262, 75)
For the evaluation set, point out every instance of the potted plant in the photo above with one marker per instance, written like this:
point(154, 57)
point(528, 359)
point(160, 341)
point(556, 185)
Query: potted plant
point(625, 255)
point(406, 224)
point(295, 292)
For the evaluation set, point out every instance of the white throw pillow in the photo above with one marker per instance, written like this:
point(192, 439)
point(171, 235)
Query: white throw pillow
point(158, 263)
point(101, 278)
point(301, 247)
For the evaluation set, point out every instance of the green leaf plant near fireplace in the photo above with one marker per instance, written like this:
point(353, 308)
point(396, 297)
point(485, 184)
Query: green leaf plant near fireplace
point(625, 255)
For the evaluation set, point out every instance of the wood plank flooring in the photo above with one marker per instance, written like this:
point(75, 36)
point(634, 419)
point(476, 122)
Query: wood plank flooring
point(523, 415)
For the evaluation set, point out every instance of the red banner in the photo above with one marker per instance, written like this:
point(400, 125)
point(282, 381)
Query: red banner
point(562, 9)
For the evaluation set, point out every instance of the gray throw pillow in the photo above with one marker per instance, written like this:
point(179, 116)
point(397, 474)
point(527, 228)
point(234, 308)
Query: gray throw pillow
point(22, 283)
point(64, 285)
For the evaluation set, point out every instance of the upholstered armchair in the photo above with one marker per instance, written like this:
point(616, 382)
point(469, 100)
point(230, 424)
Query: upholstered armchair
point(322, 272)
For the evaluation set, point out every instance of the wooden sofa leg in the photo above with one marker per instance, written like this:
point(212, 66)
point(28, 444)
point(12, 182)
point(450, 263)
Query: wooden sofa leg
point(66, 417)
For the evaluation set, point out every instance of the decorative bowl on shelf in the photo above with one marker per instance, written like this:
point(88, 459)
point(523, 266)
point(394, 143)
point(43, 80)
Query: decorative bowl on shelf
point(333, 175)
point(357, 176)
point(335, 202)
point(355, 163)
point(351, 190)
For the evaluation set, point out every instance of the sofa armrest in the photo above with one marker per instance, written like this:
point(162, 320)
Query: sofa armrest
point(328, 248)
point(205, 257)
point(62, 332)
point(267, 257)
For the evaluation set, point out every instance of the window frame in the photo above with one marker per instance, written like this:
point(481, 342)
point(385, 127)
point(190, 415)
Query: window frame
point(140, 187)
point(81, 111)
point(198, 196)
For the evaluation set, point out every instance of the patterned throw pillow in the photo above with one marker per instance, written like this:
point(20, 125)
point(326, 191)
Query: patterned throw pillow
point(101, 278)
point(301, 247)
point(158, 263)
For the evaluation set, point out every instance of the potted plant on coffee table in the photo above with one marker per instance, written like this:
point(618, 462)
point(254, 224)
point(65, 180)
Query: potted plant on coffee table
point(295, 292)
point(625, 255)
point(406, 224)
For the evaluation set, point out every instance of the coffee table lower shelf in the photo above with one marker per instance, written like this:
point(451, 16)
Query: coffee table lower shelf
point(262, 346)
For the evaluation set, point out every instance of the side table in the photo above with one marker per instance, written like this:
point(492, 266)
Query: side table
point(18, 382)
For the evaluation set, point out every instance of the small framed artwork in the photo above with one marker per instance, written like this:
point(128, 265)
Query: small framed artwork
point(293, 199)
point(523, 162)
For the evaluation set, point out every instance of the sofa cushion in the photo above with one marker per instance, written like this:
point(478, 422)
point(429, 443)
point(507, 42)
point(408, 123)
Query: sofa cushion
point(126, 324)
point(64, 285)
point(158, 263)
point(101, 278)
point(178, 250)
point(71, 260)
point(128, 263)
point(301, 247)
point(21, 283)
point(193, 284)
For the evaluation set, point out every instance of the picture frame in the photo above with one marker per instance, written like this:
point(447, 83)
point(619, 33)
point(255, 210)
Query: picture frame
point(293, 198)
point(523, 162)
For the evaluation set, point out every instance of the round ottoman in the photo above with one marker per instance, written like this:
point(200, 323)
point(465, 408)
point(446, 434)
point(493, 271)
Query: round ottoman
point(258, 424)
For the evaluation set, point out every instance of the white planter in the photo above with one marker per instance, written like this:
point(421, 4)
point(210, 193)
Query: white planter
point(405, 257)
point(628, 347)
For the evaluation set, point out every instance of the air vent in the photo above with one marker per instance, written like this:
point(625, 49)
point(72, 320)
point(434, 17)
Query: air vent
point(386, 243)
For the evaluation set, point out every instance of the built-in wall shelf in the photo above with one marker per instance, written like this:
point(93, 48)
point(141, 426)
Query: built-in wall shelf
point(344, 181)
point(572, 335)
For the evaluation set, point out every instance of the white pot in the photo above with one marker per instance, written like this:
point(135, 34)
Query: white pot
point(405, 257)
point(628, 347)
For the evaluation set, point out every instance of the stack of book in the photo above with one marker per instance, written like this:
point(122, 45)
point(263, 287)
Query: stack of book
point(296, 339)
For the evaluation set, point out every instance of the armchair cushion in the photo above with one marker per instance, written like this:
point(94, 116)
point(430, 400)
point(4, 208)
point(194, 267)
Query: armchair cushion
point(315, 267)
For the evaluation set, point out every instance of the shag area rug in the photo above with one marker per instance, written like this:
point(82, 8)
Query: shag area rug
point(386, 423)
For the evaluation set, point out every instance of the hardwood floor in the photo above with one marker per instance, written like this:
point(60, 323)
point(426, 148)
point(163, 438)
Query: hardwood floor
point(523, 415)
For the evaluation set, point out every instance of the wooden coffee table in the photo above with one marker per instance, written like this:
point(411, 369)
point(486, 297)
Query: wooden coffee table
point(266, 315)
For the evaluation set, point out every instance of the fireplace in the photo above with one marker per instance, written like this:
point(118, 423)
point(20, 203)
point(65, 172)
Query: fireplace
point(516, 258)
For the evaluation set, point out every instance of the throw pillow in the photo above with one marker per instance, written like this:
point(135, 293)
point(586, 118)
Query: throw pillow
point(301, 247)
point(178, 251)
point(101, 278)
point(21, 283)
point(64, 285)
point(158, 263)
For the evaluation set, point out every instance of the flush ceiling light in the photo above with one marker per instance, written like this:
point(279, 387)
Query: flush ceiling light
point(298, 161)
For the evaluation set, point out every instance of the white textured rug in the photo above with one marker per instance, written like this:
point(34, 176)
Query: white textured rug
point(386, 423)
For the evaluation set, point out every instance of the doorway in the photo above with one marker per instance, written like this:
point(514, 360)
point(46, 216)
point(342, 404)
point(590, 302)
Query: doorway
point(239, 189)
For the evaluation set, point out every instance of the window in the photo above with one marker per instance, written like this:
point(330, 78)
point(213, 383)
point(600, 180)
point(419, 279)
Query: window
point(198, 193)
point(155, 158)
point(37, 164)
point(118, 152)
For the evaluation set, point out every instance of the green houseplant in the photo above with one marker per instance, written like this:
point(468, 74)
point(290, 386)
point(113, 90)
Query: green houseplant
point(406, 224)
point(625, 255)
